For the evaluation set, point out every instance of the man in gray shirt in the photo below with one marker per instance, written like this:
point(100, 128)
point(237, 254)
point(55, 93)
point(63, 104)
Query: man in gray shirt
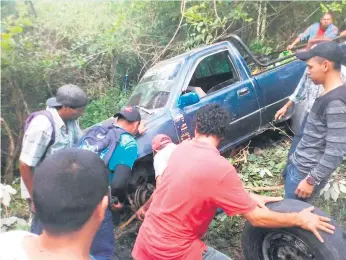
point(323, 145)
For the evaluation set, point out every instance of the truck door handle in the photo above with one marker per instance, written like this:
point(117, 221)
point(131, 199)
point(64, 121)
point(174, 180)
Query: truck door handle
point(243, 92)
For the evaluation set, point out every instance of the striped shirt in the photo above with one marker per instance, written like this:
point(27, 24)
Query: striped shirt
point(39, 134)
point(323, 145)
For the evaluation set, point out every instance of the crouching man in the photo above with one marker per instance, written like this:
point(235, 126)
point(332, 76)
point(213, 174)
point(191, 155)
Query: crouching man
point(163, 147)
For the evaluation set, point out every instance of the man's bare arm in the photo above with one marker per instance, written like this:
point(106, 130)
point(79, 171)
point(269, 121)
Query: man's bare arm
point(27, 174)
point(282, 111)
point(262, 217)
point(289, 47)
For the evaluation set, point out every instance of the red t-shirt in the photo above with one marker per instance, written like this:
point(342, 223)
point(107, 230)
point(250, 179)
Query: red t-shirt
point(196, 182)
point(320, 32)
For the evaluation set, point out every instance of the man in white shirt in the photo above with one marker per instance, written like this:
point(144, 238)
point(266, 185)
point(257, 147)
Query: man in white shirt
point(163, 147)
point(70, 191)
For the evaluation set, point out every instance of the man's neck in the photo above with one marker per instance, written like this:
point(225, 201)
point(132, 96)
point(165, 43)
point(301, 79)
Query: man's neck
point(207, 139)
point(122, 125)
point(72, 246)
point(333, 80)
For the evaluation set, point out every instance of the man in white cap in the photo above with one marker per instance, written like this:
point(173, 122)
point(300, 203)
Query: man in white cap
point(49, 131)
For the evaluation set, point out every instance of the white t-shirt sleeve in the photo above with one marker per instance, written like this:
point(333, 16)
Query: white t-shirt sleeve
point(160, 164)
point(161, 159)
point(11, 245)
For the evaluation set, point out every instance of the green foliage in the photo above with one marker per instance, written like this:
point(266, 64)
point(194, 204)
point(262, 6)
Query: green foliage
point(336, 186)
point(95, 44)
point(104, 107)
point(338, 6)
point(206, 22)
point(263, 47)
point(265, 168)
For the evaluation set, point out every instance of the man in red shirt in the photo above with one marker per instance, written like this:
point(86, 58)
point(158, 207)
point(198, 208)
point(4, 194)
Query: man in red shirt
point(325, 29)
point(196, 182)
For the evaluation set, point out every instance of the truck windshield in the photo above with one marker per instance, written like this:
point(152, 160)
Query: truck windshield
point(154, 89)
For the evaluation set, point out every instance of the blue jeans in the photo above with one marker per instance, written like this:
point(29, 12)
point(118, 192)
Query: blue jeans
point(296, 139)
point(103, 245)
point(213, 254)
point(293, 178)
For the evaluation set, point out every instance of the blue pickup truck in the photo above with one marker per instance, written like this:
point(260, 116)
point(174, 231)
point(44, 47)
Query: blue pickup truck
point(170, 93)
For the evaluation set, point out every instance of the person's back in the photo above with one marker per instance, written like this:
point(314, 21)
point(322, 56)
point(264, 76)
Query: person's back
point(195, 183)
point(122, 158)
point(187, 199)
point(70, 198)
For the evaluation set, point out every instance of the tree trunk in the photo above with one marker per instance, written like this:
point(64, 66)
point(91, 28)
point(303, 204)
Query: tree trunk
point(259, 18)
point(10, 159)
point(264, 21)
point(20, 93)
point(113, 70)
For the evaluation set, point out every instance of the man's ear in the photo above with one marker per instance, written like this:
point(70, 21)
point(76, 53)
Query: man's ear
point(101, 207)
point(326, 65)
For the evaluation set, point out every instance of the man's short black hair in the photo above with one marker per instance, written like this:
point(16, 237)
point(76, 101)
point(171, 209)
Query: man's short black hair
point(212, 120)
point(67, 187)
point(336, 65)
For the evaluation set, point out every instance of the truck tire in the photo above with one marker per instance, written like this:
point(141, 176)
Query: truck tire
point(292, 243)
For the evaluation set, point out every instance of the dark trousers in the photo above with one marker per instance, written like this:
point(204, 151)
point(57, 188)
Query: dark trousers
point(103, 245)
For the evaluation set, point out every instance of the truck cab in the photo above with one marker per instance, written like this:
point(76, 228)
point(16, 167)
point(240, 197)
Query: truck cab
point(170, 93)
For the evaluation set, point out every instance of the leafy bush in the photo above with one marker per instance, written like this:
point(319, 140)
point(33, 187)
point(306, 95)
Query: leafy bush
point(263, 167)
point(103, 107)
point(336, 186)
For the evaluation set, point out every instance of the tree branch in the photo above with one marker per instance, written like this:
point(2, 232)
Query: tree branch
point(11, 152)
point(215, 10)
point(182, 8)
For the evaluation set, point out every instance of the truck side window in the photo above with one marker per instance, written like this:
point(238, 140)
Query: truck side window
point(214, 73)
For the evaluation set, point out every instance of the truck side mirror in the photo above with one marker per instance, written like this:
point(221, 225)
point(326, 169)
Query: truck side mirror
point(188, 99)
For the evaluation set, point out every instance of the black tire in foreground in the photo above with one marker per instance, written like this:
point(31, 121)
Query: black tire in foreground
point(292, 243)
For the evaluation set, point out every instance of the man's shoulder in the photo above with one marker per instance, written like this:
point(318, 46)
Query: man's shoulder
point(165, 152)
point(40, 122)
point(333, 98)
point(127, 140)
point(11, 243)
point(16, 234)
point(338, 106)
point(315, 25)
point(333, 26)
point(169, 148)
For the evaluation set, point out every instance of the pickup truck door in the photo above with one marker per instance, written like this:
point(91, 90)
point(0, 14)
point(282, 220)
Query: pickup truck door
point(216, 79)
point(276, 86)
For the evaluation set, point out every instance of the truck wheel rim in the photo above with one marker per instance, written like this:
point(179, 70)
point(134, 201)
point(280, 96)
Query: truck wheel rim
point(285, 246)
